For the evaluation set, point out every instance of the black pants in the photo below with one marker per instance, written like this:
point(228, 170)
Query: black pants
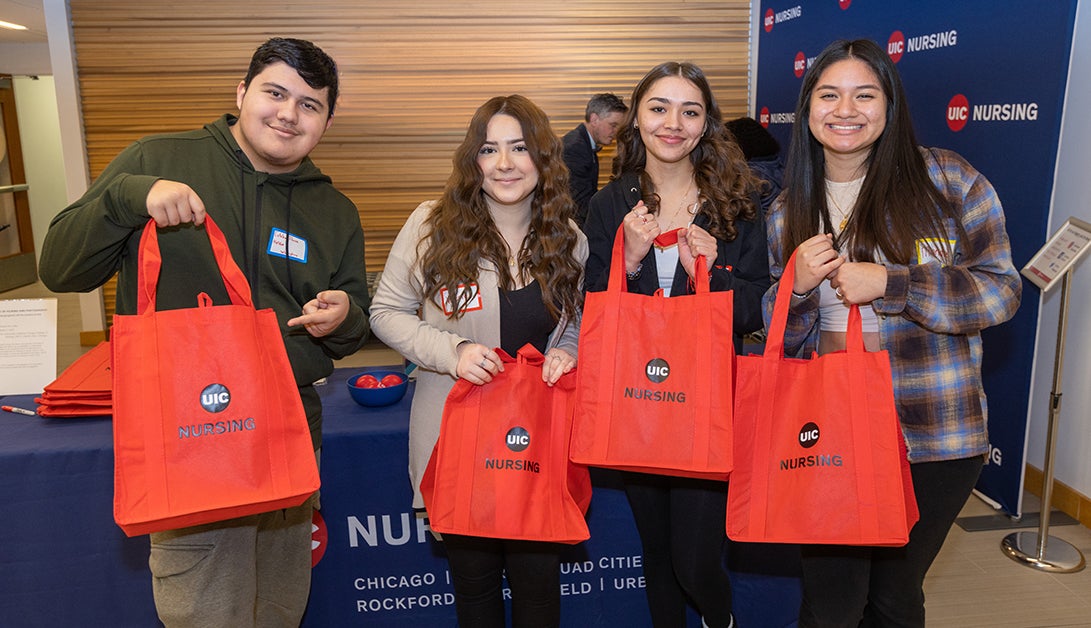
point(883, 586)
point(477, 570)
point(681, 526)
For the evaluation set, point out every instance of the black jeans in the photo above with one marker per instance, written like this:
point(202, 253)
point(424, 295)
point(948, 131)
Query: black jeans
point(681, 526)
point(477, 570)
point(883, 586)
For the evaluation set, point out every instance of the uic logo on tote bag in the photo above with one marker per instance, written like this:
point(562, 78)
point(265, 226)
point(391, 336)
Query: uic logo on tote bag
point(517, 439)
point(657, 370)
point(215, 398)
point(808, 436)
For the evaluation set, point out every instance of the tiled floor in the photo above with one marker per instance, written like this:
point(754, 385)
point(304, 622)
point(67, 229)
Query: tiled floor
point(972, 583)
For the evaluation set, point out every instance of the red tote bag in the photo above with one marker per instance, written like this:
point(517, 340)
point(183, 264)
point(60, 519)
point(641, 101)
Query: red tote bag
point(654, 391)
point(208, 423)
point(819, 452)
point(82, 389)
point(500, 468)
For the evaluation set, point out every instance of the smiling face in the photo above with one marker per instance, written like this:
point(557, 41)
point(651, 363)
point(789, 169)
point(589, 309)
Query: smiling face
point(281, 118)
point(671, 119)
point(509, 176)
point(847, 115)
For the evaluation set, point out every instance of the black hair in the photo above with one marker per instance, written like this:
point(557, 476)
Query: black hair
point(754, 139)
point(314, 66)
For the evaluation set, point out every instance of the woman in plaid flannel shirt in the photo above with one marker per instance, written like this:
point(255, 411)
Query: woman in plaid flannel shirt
point(917, 237)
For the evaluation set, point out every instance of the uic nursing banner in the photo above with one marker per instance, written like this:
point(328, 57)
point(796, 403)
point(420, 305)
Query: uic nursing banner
point(987, 80)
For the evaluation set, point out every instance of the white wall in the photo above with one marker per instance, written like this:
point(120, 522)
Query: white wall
point(1072, 455)
point(30, 59)
point(40, 136)
point(73, 148)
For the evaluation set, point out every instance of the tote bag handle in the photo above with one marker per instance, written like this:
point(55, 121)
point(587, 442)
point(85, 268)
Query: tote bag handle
point(774, 342)
point(617, 281)
point(151, 262)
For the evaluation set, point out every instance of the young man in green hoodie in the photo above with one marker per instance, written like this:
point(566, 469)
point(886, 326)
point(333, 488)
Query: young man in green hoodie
point(298, 241)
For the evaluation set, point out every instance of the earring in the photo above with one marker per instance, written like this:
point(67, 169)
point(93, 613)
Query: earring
point(636, 126)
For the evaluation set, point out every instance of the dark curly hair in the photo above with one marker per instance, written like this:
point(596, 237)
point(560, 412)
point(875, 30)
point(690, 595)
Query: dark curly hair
point(460, 231)
point(724, 180)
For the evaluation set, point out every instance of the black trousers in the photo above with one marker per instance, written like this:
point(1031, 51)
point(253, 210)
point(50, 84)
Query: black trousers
point(852, 587)
point(478, 566)
point(681, 524)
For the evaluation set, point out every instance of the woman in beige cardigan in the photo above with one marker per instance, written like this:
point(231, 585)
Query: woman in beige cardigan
point(495, 262)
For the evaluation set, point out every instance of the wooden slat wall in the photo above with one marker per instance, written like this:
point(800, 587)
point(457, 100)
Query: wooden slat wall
point(412, 74)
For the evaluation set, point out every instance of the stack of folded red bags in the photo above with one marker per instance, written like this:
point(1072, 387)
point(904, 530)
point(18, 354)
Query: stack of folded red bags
point(83, 389)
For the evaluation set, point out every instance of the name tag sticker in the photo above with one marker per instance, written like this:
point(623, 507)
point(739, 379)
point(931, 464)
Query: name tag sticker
point(283, 244)
point(472, 305)
point(934, 250)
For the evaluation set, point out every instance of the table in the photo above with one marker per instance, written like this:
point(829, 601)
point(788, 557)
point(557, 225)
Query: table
point(63, 561)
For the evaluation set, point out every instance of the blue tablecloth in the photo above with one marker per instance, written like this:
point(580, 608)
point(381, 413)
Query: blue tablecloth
point(63, 561)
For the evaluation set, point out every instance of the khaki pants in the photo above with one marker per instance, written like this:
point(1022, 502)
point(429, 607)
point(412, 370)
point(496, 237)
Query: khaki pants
point(250, 572)
point(247, 572)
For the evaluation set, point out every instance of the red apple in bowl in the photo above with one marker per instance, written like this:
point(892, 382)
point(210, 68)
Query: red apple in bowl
point(367, 381)
point(390, 380)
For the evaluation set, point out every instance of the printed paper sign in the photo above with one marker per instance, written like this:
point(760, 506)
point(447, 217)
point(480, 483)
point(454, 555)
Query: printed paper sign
point(28, 345)
point(1059, 254)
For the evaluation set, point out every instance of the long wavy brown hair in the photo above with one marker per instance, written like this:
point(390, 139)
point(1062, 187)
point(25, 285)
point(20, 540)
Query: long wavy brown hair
point(723, 179)
point(460, 232)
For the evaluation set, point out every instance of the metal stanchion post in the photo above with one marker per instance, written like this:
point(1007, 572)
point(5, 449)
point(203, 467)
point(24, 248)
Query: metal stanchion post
point(1037, 549)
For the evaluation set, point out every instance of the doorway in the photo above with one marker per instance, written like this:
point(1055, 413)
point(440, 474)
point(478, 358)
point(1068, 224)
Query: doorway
point(17, 265)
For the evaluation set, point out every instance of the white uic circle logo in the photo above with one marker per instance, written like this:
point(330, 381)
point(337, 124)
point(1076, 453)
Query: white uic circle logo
point(215, 398)
point(517, 439)
point(657, 370)
point(808, 436)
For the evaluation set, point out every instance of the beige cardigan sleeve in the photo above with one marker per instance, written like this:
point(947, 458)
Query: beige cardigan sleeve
point(567, 333)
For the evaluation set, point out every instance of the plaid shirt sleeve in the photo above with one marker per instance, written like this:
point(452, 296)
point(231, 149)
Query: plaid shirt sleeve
point(980, 287)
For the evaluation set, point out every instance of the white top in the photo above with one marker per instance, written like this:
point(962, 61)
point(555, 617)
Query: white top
point(666, 261)
point(834, 313)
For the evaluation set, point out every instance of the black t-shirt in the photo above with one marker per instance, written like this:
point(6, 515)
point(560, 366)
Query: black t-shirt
point(523, 319)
